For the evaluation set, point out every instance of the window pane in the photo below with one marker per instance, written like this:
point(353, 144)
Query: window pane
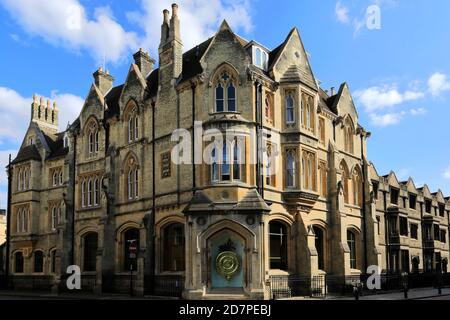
point(225, 163)
point(278, 245)
point(219, 98)
point(319, 241)
point(18, 261)
point(236, 161)
point(38, 261)
point(90, 252)
point(231, 98)
point(258, 58)
point(173, 248)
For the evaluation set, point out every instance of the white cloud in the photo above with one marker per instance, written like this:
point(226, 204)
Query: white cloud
point(199, 19)
point(16, 112)
point(377, 98)
point(341, 12)
point(417, 111)
point(438, 83)
point(388, 119)
point(447, 173)
point(66, 22)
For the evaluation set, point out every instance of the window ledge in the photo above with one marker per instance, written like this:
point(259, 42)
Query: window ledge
point(278, 272)
point(89, 208)
point(215, 113)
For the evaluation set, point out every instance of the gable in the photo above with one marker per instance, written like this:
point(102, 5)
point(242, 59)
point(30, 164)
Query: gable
point(344, 103)
point(393, 181)
point(94, 105)
point(292, 60)
point(410, 186)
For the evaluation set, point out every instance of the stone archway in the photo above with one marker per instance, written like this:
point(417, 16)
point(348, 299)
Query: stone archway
point(228, 260)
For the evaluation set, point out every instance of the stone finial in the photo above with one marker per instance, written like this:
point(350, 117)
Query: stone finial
point(35, 99)
point(41, 101)
point(55, 106)
point(174, 10)
point(166, 16)
point(332, 91)
point(49, 103)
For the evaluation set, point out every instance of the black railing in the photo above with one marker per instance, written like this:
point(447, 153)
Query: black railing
point(288, 286)
point(168, 286)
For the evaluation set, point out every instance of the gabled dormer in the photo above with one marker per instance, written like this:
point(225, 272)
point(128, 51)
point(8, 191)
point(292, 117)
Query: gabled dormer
point(259, 54)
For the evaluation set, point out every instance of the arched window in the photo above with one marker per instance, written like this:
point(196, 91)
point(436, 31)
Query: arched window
point(225, 99)
point(219, 98)
point(20, 180)
point(323, 179)
point(38, 262)
point(131, 236)
point(348, 136)
point(83, 194)
point(322, 130)
point(60, 177)
point(309, 171)
point(132, 178)
point(278, 246)
point(351, 241)
point(53, 260)
point(270, 166)
point(357, 188)
point(89, 193)
point(258, 60)
point(132, 117)
point(54, 217)
point(320, 246)
point(22, 220)
point(214, 165)
point(92, 132)
point(231, 94)
point(344, 181)
point(173, 251)
point(55, 178)
point(18, 262)
point(290, 169)
point(290, 112)
point(96, 191)
point(268, 108)
point(225, 168)
point(90, 246)
point(237, 160)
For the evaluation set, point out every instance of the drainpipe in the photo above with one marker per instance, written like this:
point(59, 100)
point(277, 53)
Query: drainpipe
point(72, 255)
point(8, 223)
point(364, 201)
point(386, 230)
point(152, 216)
point(194, 186)
point(259, 126)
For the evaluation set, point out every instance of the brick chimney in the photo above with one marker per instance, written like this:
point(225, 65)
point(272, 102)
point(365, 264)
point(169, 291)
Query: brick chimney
point(103, 80)
point(171, 47)
point(144, 62)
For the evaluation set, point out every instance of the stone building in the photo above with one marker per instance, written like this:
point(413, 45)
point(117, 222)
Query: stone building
point(2, 226)
point(289, 190)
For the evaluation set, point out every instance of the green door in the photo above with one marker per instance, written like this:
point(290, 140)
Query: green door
point(227, 253)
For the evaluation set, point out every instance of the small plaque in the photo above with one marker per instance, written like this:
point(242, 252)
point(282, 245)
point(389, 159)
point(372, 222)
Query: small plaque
point(166, 165)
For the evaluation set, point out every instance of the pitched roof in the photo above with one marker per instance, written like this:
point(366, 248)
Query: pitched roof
point(27, 153)
point(112, 101)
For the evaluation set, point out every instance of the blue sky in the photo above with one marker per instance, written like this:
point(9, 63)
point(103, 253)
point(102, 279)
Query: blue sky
point(399, 74)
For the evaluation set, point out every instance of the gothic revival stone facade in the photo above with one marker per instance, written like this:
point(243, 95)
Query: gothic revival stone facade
point(82, 196)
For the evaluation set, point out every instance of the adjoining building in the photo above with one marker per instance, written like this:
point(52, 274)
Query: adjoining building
point(81, 197)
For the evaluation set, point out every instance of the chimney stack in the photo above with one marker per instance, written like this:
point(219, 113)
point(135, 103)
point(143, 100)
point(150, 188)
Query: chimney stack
point(144, 62)
point(103, 80)
point(44, 115)
point(174, 32)
point(165, 28)
point(332, 91)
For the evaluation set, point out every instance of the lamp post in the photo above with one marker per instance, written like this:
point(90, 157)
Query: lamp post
point(132, 248)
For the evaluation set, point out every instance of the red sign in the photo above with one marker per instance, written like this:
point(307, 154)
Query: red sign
point(132, 250)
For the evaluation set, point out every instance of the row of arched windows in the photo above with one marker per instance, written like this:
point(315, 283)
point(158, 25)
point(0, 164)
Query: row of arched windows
point(351, 184)
point(279, 246)
point(22, 221)
point(172, 249)
point(225, 94)
point(307, 110)
point(227, 161)
point(38, 261)
point(55, 215)
point(90, 191)
point(57, 176)
point(23, 178)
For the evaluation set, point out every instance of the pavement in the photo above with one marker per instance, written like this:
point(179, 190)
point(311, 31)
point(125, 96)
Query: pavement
point(413, 294)
point(37, 295)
